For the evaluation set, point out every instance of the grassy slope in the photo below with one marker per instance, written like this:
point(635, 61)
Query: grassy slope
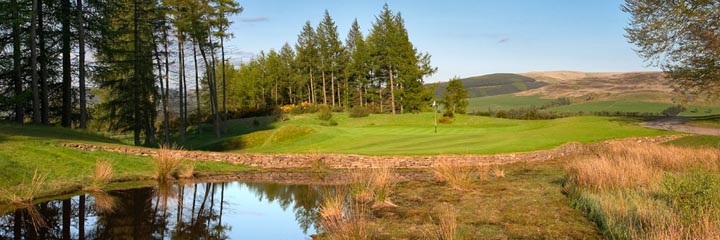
point(23, 149)
point(504, 102)
point(412, 134)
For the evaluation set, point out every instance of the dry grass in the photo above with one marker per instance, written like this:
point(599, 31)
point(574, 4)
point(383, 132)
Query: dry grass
point(380, 180)
point(101, 177)
point(186, 170)
point(447, 225)
point(498, 173)
point(340, 221)
point(166, 162)
point(23, 196)
point(637, 165)
point(456, 176)
point(621, 186)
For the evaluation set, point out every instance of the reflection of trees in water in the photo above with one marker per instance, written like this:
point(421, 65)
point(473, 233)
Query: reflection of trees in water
point(305, 200)
point(182, 211)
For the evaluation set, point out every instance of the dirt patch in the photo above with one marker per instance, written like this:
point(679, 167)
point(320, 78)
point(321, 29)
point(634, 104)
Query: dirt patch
point(679, 124)
point(352, 161)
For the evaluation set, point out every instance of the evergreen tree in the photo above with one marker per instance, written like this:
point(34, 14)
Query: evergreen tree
point(455, 97)
point(126, 68)
point(308, 58)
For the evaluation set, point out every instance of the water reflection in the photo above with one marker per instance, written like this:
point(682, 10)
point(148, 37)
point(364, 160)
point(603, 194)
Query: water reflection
point(181, 211)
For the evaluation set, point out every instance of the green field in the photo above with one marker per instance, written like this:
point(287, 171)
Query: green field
point(504, 102)
point(412, 134)
point(24, 149)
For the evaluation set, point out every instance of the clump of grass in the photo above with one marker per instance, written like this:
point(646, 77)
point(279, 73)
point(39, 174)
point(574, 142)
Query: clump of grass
point(186, 170)
point(380, 180)
point(166, 163)
point(23, 196)
point(361, 188)
point(458, 177)
point(101, 177)
point(340, 221)
point(446, 229)
point(498, 173)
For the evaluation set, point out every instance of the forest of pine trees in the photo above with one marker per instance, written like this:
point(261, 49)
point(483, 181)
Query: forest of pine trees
point(155, 69)
point(382, 70)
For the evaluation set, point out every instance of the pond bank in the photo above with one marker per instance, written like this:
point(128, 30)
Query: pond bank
point(352, 161)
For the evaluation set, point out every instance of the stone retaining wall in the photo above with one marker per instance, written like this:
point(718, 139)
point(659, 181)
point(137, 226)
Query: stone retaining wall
point(352, 161)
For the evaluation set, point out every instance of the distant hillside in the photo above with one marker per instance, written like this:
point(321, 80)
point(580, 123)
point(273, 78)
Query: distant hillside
point(494, 84)
point(601, 85)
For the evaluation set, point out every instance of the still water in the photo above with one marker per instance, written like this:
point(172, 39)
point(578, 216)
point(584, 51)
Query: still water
point(233, 210)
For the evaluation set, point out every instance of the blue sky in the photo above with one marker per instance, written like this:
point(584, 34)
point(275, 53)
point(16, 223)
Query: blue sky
point(465, 38)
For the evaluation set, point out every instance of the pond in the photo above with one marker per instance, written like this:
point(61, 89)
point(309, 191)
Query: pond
point(230, 210)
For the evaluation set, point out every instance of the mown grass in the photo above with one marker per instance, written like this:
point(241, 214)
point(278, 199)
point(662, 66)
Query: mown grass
point(412, 134)
point(23, 149)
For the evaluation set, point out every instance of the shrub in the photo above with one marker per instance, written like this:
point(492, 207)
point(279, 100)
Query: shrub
point(324, 114)
point(330, 122)
point(448, 114)
point(673, 110)
point(445, 120)
point(358, 112)
point(693, 194)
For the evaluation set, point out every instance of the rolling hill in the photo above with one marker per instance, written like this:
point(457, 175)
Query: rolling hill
point(494, 84)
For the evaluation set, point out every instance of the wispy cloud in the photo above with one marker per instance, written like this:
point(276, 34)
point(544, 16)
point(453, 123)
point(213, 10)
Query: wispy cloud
point(255, 19)
point(503, 40)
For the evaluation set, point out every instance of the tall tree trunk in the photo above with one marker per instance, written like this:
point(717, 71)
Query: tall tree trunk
point(181, 83)
point(324, 88)
point(81, 64)
point(211, 83)
point(224, 99)
point(166, 95)
point(332, 88)
point(44, 95)
point(163, 99)
point(312, 88)
point(392, 90)
point(218, 120)
point(17, 74)
point(33, 63)
point(136, 78)
point(66, 77)
point(197, 89)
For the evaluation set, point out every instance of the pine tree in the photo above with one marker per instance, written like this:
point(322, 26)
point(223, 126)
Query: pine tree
point(455, 97)
point(308, 57)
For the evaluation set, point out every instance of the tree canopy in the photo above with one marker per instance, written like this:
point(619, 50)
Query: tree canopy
point(681, 37)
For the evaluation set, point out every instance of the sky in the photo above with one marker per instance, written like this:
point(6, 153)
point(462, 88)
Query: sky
point(465, 38)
